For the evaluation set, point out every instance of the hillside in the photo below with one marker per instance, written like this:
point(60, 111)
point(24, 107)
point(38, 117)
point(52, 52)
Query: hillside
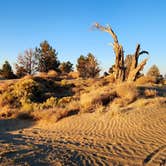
point(99, 123)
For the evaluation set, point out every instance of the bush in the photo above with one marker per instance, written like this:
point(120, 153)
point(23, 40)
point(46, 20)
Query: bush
point(49, 103)
point(27, 90)
point(64, 100)
point(146, 80)
point(52, 74)
point(73, 75)
point(127, 92)
point(42, 74)
point(150, 93)
point(101, 96)
point(23, 91)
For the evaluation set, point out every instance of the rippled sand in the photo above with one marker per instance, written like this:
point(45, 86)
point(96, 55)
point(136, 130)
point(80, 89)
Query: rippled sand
point(134, 135)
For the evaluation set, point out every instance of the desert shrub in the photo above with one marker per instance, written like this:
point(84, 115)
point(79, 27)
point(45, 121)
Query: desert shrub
point(73, 75)
point(89, 101)
point(146, 80)
point(52, 74)
point(63, 82)
point(49, 103)
point(64, 100)
point(27, 90)
point(127, 91)
point(69, 109)
point(150, 93)
point(42, 74)
point(6, 112)
point(23, 91)
point(7, 98)
point(27, 106)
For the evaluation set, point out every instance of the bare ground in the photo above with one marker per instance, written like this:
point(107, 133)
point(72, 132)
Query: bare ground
point(134, 135)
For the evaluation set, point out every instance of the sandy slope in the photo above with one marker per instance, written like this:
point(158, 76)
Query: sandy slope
point(135, 135)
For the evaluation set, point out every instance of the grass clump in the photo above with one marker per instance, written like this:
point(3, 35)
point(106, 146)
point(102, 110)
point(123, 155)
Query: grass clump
point(127, 92)
point(150, 93)
point(102, 96)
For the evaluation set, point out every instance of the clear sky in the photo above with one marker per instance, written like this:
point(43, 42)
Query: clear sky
point(66, 25)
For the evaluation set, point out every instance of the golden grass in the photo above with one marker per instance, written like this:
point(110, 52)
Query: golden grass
point(146, 80)
point(98, 96)
point(127, 91)
point(52, 74)
point(90, 95)
point(73, 74)
point(150, 93)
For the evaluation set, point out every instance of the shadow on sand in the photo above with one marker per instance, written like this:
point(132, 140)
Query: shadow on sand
point(16, 148)
point(22, 146)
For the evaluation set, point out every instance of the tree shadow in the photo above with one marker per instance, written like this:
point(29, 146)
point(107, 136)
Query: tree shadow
point(161, 91)
point(7, 125)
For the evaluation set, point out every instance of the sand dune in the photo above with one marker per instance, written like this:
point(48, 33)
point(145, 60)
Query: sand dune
point(135, 136)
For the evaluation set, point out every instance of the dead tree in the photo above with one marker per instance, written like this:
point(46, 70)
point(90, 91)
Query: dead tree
point(120, 68)
point(135, 68)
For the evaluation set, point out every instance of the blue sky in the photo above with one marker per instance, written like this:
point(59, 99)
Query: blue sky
point(66, 25)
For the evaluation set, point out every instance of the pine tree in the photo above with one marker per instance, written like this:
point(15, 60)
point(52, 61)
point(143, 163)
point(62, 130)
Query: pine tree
point(7, 71)
point(87, 66)
point(47, 58)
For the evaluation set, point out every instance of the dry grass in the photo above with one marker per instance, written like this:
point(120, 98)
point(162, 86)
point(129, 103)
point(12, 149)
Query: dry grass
point(127, 92)
point(100, 96)
point(42, 74)
point(52, 74)
point(145, 80)
point(73, 75)
point(90, 95)
point(150, 93)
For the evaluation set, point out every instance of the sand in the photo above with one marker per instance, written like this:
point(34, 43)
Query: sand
point(134, 135)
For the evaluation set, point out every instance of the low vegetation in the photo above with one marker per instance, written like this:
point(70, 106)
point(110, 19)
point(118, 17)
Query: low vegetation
point(45, 98)
point(48, 89)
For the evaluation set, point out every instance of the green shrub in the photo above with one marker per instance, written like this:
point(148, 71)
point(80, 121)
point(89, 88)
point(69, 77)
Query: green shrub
point(27, 90)
point(22, 92)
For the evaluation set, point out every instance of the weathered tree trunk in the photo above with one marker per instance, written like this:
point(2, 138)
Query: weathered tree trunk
point(118, 49)
point(135, 68)
point(122, 72)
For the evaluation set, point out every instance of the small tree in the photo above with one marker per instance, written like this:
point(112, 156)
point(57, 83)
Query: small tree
point(20, 71)
point(7, 71)
point(81, 63)
point(26, 63)
point(92, 66)
point(87, 66)
point(66, 67)
point(155, 73)
point(47, 58)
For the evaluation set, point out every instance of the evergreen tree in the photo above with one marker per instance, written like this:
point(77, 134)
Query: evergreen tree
point(47, 58)
point(155, 73)
point(87, 66)
point(66, 67)
point(7, 71)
